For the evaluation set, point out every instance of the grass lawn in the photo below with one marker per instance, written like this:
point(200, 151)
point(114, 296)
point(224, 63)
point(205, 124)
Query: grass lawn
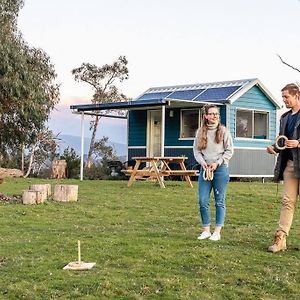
point(144, 241)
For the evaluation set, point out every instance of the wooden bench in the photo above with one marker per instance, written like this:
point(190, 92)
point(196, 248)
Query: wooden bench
point(181, 172)
point(162, 173)
point(158, 168)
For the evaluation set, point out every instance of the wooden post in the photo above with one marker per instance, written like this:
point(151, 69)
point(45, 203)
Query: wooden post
point(79, 252)
point(65, 192)
point(31, 197)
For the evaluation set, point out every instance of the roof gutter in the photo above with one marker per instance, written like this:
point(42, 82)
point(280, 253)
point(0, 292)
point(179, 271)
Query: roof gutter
point(119, 105)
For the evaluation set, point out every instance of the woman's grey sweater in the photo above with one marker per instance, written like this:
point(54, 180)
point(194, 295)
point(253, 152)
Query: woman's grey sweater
point(219, 153)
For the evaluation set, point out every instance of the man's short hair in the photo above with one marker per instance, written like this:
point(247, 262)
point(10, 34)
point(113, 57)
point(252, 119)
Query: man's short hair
point(292, 88)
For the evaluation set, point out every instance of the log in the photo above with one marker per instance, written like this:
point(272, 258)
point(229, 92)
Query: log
point(45, 189)
point(10, 173)
point(31, 197)
point(65, 192)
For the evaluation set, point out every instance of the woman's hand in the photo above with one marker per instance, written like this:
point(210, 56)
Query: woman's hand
point(213, 166)
point(204, 166)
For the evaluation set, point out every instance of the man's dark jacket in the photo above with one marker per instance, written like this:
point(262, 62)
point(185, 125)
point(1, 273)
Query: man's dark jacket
point(282, 160)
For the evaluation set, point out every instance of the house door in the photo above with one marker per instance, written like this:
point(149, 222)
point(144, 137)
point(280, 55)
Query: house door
point(154, 133)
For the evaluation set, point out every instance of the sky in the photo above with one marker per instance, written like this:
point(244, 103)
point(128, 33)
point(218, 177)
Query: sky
point(166, 42)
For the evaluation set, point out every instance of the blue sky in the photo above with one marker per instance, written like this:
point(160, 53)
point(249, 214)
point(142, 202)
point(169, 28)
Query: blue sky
point(167, 42)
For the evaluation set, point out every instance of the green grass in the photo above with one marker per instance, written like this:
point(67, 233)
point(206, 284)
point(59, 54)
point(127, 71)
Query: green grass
point(144, 241)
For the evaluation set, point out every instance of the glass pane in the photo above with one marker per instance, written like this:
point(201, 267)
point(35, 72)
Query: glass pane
point(260, 125)
point(244, 123)
point(190, 123)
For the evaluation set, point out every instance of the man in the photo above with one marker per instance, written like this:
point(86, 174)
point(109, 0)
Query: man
point(288, 164)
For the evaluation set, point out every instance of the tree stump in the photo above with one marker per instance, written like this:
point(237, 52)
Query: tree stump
point(59, 168)
point(45, 189)
point(31, 197)
point(65, 192)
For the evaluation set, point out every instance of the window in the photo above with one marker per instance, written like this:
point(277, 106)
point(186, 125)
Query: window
point(252, 124)
point(189, 123)
point(260, 125)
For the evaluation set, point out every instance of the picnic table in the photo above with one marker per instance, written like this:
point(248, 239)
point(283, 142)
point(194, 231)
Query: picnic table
point(158, 168)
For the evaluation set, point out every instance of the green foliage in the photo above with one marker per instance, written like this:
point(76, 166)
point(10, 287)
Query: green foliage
point(73, 162)
point(9, 10)
point(96, 171)
point(104, 151)
point(144, 242)
point(27, 89)
point(103, 154)
point(11, 160)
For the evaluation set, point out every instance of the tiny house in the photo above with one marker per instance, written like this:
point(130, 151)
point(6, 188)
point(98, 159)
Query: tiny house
point(163, 121)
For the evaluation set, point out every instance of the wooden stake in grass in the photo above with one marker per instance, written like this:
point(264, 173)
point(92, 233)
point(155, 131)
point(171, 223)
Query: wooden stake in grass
point(78, 265)
point(79, 252)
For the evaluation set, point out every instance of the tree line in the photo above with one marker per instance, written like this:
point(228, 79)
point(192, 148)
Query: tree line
point(29, 92)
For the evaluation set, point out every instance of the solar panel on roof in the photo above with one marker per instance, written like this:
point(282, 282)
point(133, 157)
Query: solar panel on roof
point(185, 95)
point(153, 96)
point(220, 93)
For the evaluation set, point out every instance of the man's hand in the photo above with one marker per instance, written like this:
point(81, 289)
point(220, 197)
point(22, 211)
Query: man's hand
point(291, 143)
point(271, 150)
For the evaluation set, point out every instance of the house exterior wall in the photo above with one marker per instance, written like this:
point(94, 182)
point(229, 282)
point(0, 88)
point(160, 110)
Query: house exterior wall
point(254, 99)
point(172, 133)
point(137, 125)
point(251, 163)
point(244, 163)
point(250, 158)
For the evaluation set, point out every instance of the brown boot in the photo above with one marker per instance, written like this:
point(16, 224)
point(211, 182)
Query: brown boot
point(279, 243)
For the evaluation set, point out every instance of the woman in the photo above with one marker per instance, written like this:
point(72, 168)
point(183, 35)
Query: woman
point(213, 149)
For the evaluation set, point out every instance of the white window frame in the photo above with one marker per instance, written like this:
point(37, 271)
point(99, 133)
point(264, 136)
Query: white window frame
point(181, 122)
point(253, 111)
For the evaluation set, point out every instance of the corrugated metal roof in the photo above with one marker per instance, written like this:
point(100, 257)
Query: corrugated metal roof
point(217, 92)
point(213, 92)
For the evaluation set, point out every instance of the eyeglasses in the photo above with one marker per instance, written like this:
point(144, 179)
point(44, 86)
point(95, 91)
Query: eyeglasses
point(213, 114)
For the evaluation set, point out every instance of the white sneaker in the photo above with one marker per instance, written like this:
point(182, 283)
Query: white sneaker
point(204, 235)
point(216, 236)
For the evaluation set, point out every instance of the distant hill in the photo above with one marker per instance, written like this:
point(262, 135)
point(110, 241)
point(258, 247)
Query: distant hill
point(75, 143)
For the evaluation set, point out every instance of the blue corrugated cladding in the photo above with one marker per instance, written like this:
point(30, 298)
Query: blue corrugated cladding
point(214, 94)
point(137, 128)
point(136, 152)
point(188, 152)
point(254, 99)
point(172, 133)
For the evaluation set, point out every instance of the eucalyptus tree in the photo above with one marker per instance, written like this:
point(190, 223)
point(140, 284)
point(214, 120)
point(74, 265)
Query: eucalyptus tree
point(41, 152)
point(102, 79)
point(28, 91)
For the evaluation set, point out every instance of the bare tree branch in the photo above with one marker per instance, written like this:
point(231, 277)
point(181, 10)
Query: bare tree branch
point(296, 69)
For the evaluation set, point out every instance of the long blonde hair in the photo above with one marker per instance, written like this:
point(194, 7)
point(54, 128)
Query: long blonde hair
point(202, 136)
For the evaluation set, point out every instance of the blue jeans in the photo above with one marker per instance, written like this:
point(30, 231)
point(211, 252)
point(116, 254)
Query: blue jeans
point(219, 186)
